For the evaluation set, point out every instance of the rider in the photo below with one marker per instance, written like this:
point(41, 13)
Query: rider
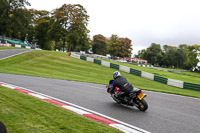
point(123, 84)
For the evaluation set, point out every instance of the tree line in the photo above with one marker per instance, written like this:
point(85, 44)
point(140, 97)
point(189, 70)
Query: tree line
point(115, 46)
point(62, 28)
point(184, 56)
point(66, 28)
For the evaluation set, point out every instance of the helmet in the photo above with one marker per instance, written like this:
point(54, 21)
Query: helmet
point(116, 74)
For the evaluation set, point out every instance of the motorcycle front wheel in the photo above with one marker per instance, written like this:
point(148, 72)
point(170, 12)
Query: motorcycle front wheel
point(142, 105)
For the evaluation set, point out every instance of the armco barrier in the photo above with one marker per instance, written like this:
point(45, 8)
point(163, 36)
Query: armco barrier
point(5, 45)
point(147, 75)
point(90, 59)
point(175, 83)
point(191, 86)
point(28, 47)
point(75, 55)
point(115, 66)
point(171, 82)
point(19, 46)
point(83, 57)
point(97, 61)
point(124, 68)
point(135, 72)
point(160, 79)
point(105, 63)
point(23, 46)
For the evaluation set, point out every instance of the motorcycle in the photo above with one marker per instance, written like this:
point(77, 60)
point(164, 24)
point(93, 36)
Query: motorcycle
point(135, 98)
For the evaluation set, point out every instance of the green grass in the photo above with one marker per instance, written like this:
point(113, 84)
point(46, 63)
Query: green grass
point(197, 75)
point(3, 48)
point(59, 66)
point(24, 114)
point(191, 77)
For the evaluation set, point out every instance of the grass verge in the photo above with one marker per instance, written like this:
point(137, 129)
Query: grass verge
point(24, 114)
point(59, 66)
point(191, 77)
point(3, 48)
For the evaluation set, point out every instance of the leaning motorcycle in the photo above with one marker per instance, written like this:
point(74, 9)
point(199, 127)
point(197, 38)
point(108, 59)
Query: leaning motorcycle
point(135, 98)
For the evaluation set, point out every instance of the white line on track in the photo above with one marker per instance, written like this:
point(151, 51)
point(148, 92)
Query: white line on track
point(13, 55)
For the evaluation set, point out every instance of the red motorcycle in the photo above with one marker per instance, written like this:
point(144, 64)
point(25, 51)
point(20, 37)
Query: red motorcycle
point(135, 98)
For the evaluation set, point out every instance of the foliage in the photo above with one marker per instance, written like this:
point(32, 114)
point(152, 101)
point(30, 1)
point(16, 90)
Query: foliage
point(42, 23)
point(113, 45)
point(125, 47)
point(119, 47)
point(173, 56)
point(153, 54)
point(13, 18)
point(191, 54)
point(66, 25)
point(99, 44)
point(184, 56)
point(73, 20)
point(78, 38)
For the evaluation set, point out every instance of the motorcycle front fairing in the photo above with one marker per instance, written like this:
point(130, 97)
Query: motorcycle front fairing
point(110, 87)
point(111, 82)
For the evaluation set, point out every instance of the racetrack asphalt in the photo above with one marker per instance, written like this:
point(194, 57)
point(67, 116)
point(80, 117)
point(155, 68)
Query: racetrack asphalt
point(12, 52)
point(166, 113)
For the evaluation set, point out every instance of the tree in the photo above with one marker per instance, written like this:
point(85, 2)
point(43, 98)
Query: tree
point(56, 32)
point(169, 55)
point(31, 27)
point(119, 47)
point(113, 45)
point(141, 54)
point(13, 20)
point(191, 57)
point(154, 54)
point(99, 44)
point(78, 38)
point(179, 58)
point(42, 24)
point(73, 19)
point(126, 47)
point(183, 56)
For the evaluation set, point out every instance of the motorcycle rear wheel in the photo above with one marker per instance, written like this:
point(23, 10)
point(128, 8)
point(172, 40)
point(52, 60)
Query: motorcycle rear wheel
point(142, 105)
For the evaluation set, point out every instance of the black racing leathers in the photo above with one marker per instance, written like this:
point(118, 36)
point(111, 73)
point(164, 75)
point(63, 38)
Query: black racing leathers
point(124, 86)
